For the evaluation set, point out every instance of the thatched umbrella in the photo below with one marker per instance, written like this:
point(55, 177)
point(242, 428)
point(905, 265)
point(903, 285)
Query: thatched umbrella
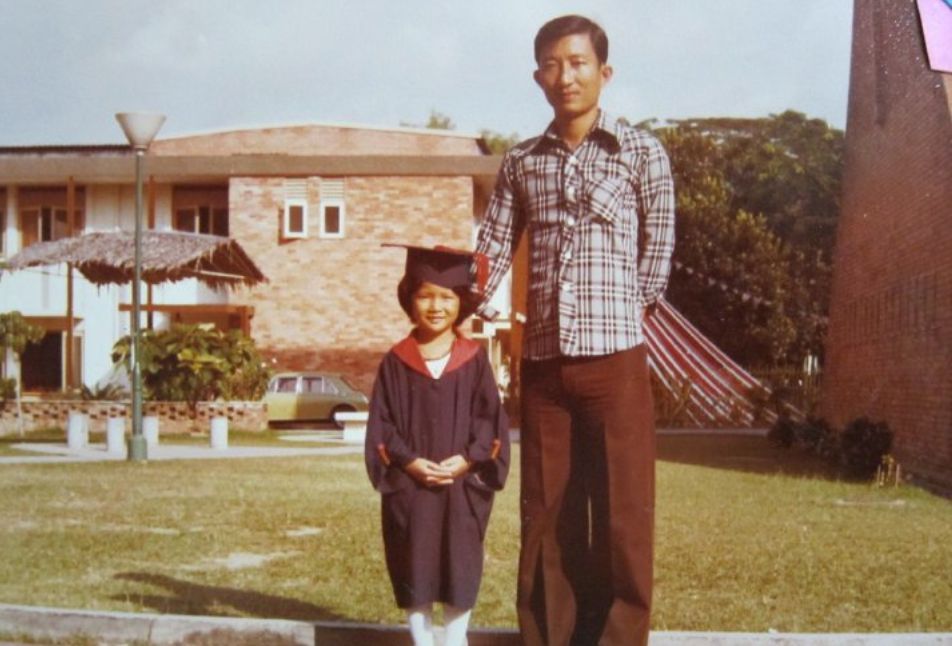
point(167, 256)
point(108, 257)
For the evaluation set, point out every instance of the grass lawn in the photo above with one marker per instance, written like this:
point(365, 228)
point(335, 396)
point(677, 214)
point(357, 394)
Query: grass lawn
point(748, 538)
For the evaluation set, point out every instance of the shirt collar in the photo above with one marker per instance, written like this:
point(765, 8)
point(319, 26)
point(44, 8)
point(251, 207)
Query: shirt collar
point(606, 129)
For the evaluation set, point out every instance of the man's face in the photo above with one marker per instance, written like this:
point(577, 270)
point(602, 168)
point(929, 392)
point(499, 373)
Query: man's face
point(571, 76)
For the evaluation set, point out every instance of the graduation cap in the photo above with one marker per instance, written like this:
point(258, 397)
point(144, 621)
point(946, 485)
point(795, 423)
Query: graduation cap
point(445, 266)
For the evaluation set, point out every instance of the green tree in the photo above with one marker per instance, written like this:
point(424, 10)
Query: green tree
point(789, 169)
point(497, 142)
point(16, 333)
point(436, 121)
point(194, 363)
point(439, 121)
point(734, 277)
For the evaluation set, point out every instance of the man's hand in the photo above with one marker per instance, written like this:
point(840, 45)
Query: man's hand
point(456, 465)
point(429, 473)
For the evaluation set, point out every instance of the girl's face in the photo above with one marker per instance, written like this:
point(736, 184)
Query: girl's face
point(435, 309)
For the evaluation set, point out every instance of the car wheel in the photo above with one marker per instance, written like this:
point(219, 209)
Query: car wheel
point(341, 409)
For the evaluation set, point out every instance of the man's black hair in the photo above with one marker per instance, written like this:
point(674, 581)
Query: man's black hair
point(564, 26)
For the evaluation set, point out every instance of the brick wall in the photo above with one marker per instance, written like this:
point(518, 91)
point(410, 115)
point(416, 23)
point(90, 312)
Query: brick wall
point(889, 349)
point(174, 417)
point(331, 303)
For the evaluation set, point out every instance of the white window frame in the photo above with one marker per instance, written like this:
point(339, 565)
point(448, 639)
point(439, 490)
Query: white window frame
point(339, 204)
point(289, 203)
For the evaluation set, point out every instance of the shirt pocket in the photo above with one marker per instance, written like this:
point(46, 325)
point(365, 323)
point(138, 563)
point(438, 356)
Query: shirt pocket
point(605, 198)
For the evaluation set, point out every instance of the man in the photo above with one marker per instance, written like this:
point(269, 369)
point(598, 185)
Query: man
point(595, 197)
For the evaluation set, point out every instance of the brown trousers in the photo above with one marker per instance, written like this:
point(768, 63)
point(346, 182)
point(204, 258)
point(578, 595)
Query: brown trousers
point(587, 456)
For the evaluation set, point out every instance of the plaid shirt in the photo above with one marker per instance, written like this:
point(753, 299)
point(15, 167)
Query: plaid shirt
point(583, 210)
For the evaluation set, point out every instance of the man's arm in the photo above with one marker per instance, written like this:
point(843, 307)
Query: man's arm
point(499, 233)
point(656, 203)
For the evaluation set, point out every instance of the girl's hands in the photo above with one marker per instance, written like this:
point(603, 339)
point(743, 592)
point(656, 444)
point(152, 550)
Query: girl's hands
point(456, 465)
point(429, 473)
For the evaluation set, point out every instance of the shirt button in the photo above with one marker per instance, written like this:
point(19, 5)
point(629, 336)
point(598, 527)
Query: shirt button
point(570, 160)
point(570, 192)
point(570, 221)
point(567, 285)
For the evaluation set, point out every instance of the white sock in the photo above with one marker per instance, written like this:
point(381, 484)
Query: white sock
point(457, 621)
point(420, 619)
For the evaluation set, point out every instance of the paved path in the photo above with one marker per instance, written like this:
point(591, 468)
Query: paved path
point(148, 628)
point(55, 453)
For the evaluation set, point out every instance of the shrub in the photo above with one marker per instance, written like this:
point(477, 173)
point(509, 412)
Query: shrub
point(816, 435)
point(8, 389)
point(194, 363)
point(783, 432)
point(862, 445)
point(105, 392)
point(671, 406)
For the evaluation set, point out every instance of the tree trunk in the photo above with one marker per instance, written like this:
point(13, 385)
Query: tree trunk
point(19, 411)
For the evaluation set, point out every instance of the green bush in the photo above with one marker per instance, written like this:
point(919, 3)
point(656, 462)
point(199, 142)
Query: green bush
point(862, 445)
point(783, 432)
point(816, 435)
point(106, 392)
point(671, 408)
point(8, 389)
point(194, 363)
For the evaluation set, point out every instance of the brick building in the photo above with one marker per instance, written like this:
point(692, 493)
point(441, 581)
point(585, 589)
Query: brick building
point(889, 349)
point(310, 204)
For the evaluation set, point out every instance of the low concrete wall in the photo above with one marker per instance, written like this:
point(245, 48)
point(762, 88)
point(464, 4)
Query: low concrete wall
point(174, 417)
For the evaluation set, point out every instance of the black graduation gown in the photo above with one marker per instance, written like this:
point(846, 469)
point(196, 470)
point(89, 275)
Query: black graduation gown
point(433, 536)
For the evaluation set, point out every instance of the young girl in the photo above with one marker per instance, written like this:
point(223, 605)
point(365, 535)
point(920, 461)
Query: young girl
point(437, 446)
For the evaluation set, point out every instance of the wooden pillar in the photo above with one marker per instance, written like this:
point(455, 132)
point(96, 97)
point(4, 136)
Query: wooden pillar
point(70, 231)
point(245, 320)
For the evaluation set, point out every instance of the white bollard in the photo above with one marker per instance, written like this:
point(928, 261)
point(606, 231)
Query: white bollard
point(116, 435)
point(219, 432)
point(150, 430)
point(75, 426)
point(355, 426)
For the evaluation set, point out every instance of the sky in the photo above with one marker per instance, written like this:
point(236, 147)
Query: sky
point(68, 66)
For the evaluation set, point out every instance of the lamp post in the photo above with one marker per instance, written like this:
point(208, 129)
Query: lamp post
point(140, 129)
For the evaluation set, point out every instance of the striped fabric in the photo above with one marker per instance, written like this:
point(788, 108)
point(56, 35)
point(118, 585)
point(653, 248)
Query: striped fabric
point(588, 213)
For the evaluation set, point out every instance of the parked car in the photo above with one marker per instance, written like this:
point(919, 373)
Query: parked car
point(311, 396)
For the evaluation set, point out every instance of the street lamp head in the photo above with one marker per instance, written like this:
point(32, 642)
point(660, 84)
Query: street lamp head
point(140, 127)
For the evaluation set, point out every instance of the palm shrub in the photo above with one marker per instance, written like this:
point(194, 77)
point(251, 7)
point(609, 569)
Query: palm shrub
point(194, 363)
point(862, 445)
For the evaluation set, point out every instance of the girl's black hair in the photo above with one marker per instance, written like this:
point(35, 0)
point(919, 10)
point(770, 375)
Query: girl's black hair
point(407, 287)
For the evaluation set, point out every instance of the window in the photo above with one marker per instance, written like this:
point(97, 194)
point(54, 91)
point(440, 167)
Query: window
point(200, 209)
point(202, 219)
point(294, 220)
point(47, 223)
point(319, 386)
point(312, 385)
point(332, 208)
point(284, 385)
